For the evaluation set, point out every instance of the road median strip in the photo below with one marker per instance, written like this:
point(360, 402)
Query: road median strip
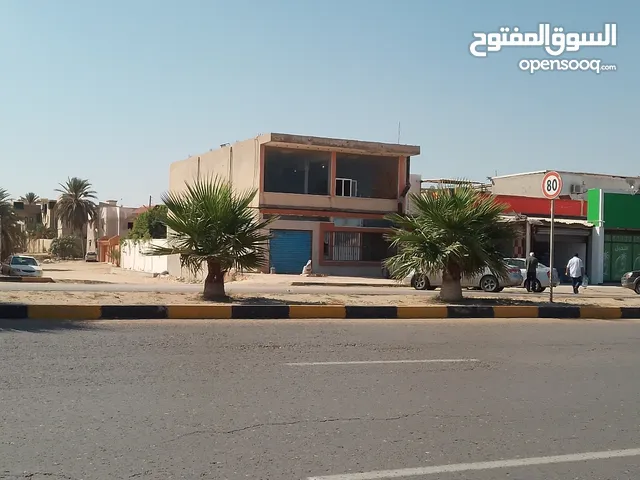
point(27, 279)
point(285, 312)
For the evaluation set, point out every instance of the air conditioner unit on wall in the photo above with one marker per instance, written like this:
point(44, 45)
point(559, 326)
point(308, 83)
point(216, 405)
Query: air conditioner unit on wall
point(577, 189)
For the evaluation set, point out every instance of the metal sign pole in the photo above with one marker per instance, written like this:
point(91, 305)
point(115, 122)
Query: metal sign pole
point(551, 251)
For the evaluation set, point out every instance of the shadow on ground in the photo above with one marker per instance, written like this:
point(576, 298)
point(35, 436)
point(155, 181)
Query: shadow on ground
point(41, 326)
point(271, 301)
point(491, 302)
point(83, 282)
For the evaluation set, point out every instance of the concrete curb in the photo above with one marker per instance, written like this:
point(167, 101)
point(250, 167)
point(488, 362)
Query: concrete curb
point(250, 312)
point(345, 284)
point(27, 279)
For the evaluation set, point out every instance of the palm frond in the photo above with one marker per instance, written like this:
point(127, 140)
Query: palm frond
point(30, 198)
point(455, 230)
point(76, 206)
point(211, 221)
point(13, 237)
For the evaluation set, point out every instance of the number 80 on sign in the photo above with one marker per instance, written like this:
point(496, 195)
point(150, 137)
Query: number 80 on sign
point(552, 185)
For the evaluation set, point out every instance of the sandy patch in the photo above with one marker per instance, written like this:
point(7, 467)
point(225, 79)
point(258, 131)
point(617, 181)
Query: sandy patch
point(153, 298)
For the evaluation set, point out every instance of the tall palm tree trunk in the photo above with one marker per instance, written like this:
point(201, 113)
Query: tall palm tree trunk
point(82, 241)
point(214, 282)
point(451, 290)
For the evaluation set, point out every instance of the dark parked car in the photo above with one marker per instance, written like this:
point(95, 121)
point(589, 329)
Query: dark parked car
point(631, 280)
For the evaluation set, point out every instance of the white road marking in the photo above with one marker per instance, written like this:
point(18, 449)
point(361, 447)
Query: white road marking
point(437, 360)
point(463, 467)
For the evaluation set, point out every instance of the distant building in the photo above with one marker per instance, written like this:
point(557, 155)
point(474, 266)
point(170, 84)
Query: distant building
point(112, 221)
point(575, 184)
point(41, 213)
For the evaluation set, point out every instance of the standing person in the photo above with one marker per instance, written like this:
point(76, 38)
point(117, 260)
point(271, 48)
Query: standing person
point(575, 269)
point(532, 272)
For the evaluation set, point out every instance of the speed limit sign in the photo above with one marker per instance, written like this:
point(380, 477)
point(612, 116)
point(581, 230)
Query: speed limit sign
point(552, 185)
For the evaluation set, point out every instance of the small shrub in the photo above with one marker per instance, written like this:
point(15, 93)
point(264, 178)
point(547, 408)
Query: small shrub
point(65, 247)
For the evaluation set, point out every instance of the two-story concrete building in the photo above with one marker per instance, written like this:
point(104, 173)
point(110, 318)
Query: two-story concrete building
point(112, 222)
point(331, 195)
point(41, 213)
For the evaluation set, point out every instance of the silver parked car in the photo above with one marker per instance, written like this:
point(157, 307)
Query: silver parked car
point(21, 266)
point(543, 274)
point(486, 281)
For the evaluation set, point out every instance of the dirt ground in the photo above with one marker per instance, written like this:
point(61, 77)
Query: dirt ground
point(77, 271)
point(152, 298)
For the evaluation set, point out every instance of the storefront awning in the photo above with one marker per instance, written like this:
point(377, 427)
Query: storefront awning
point(570, 222)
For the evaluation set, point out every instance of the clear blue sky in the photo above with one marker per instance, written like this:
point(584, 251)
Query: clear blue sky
point(114, 91)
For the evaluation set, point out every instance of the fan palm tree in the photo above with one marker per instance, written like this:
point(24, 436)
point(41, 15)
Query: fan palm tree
point(210, 223)
point(455, 232)
point(29, 198)
point(76, 205)
point(12, 237)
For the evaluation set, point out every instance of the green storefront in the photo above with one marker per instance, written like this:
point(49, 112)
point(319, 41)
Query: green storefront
point(616, 246)
point(621, 254)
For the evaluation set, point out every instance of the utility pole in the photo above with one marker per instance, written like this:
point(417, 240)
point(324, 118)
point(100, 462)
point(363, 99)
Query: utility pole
point(149, 201)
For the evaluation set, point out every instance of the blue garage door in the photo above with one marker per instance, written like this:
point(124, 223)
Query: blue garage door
point(289, 250)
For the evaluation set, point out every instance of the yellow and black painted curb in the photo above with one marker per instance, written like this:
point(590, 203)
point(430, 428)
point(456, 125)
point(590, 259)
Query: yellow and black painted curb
point(27, 279)
point(276, 312)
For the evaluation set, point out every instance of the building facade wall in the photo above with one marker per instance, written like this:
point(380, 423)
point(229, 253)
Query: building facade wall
point(318, 229)
point(415, 188)
point(238, 163)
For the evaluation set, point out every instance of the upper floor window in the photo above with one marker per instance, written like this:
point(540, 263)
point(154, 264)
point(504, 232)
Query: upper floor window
point(373, 176)
point(296, 171)
point(346, 187)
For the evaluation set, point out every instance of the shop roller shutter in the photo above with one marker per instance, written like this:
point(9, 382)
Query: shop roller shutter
point(289, 250)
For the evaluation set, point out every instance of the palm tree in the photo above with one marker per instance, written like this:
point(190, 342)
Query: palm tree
point(455, 231)
point(29, 198)
point(210, 223)
point(76, 206)
point(12, 237)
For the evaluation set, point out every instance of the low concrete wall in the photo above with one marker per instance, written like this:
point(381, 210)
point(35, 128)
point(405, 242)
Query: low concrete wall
point(41, 245)
point(132, 257)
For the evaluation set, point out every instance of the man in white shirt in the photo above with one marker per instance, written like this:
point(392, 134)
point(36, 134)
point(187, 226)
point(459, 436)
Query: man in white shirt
point(575, 269)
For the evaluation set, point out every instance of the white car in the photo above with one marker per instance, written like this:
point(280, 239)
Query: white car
point(543, 274)
point(486, 281)
point(21, 266)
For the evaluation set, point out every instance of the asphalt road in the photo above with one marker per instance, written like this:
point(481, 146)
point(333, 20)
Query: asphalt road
point(254, 400)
